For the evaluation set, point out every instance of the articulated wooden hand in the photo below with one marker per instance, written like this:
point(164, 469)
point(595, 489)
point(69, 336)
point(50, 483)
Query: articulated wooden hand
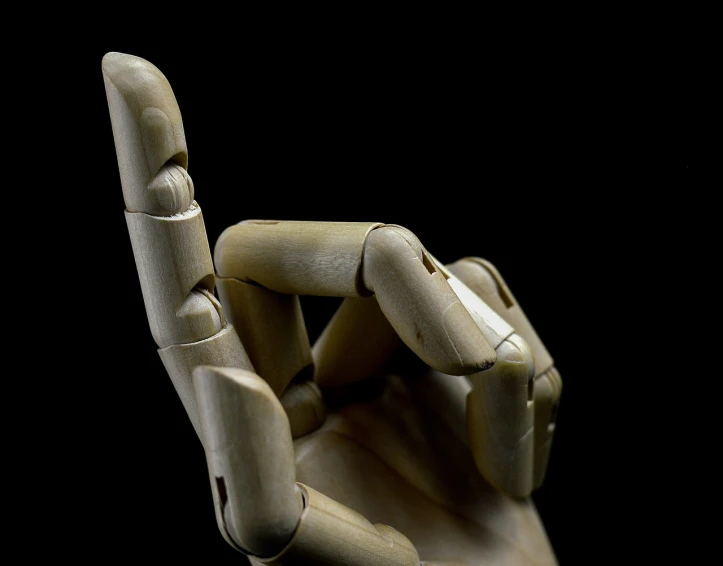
point(355, 451)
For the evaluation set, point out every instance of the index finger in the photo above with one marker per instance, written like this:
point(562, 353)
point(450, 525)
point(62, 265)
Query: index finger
point(357, 259)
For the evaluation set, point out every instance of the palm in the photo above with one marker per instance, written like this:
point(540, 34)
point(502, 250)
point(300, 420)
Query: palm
point(395, 461)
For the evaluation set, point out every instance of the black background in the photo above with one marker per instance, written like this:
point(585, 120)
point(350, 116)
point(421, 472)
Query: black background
point(556, 166)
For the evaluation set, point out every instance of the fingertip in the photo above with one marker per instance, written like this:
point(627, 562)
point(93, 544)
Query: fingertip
point(472, 350)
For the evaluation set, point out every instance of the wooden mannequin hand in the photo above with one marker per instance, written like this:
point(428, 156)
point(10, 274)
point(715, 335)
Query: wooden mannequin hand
point(426, 406)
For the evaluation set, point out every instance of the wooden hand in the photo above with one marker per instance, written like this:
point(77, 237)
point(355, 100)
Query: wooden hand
point(306, 446)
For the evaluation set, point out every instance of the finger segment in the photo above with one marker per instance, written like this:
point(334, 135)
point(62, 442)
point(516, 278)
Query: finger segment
point(147, 128)
point(250, 458)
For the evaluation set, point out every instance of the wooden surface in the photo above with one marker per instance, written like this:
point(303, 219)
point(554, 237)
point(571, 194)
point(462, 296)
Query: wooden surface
point(396, 463)
point(271, 327)
point(250, 458)
point(551, 181)
point(224, 350)
point(457, 335)
point(419, 303)
point(302, 258)
point(358, 342)
point(148, 133)
point(174, 273)
point(486, 281)
point(330, 534)
point(342, 259)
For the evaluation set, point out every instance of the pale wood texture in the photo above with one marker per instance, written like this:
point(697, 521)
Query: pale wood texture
point(176, 276)
point(500, 418)
point(421, 306)
point(330, 534)
point(354, 259)
point(390, 474)
point(272, 330)
point(494, 328)
point(224, 349)
point(304, 407)
point(446, 396)
point(357, 343)
point(148, 134)
point(166, 227)
point(250, 458)
point(298, 258)
point(548, 388)
point(500, 407)
point(485, 280)
point(396, 462)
